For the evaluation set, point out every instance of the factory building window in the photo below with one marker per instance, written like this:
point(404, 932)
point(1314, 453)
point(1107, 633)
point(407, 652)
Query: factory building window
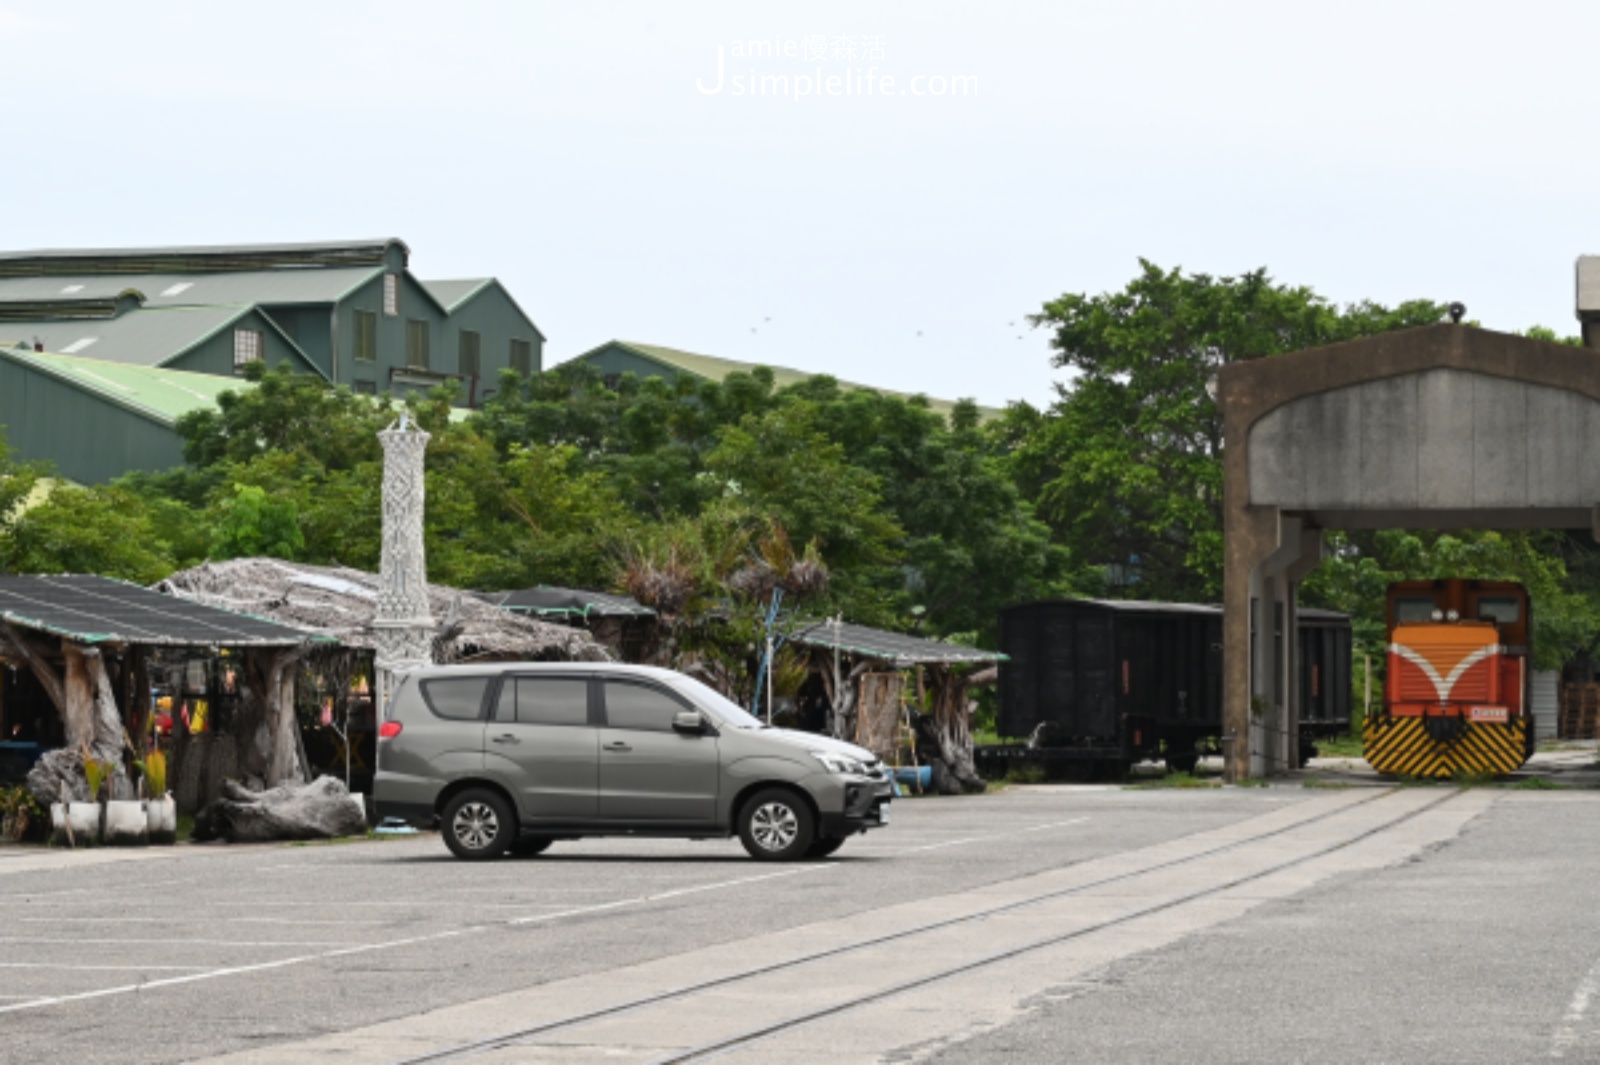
point(416, 344)
point(391, 295)
point(470, 344)
point(247, 347)
point(522, 357)
point(366, 336)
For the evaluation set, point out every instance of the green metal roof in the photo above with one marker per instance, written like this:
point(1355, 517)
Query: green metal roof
point(451, 294)
point(164, 395)
point(717, 369)
point(147, 337)
point(237, 288)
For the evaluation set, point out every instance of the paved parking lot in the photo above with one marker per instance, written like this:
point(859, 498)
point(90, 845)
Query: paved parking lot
point(377, 951)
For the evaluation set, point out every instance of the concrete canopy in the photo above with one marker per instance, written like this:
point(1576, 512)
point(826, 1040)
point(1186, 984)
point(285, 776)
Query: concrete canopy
point(1442, 427)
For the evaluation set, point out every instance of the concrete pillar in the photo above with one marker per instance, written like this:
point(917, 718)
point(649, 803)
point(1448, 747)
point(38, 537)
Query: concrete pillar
point(1310, 558)
point(1267, 555)
point(1250, 536)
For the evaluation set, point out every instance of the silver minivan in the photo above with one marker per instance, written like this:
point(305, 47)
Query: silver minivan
point(513, 756)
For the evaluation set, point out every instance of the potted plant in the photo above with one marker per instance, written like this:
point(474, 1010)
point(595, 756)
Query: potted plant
point(161, 811)
point(79, 822)
point(123, 822)
point(17, 811)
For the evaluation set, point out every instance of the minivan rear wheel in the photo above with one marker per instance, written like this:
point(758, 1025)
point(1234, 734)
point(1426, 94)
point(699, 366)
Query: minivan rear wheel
point(776, 826)
point(478, 824)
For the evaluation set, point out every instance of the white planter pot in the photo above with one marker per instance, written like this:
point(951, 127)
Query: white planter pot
point(161, 820)
point(126, 824)
point(360, 799)
point(85, 820)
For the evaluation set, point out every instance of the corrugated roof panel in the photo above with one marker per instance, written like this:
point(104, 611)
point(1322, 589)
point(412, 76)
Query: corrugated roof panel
point(163, 394)
point(202, 259)
point(894, 647)
point(715, 368)
point(451, 293)
point(100, 610)
point(190, 290)
point(141, 338)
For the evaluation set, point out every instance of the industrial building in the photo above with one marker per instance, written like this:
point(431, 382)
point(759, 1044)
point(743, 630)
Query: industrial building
point(87, 337)
point(617, 357)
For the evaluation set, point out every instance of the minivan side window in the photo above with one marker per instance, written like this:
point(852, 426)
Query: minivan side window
point(643, 709)
point(546, 700)
point(456, 698)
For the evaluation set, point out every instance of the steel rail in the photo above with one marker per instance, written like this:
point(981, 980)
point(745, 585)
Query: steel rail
point(759, 1034)
point(505, 1039)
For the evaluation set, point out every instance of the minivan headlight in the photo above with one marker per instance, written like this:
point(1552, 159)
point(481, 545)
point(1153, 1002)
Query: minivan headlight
point(839, 763)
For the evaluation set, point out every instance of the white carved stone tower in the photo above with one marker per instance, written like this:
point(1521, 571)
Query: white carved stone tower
point(404, 626)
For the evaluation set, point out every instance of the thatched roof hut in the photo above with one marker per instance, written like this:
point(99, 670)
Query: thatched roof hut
point(341, 603)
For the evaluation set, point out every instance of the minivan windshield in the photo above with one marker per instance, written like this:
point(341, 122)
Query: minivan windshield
point(724, 709)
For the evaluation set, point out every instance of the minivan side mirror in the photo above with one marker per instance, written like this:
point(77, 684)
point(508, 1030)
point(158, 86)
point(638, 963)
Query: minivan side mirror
point(688, 721)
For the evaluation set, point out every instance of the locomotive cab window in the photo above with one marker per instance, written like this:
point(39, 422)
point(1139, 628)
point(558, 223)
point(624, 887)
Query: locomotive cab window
point(1500, 609)
point(1412, 608)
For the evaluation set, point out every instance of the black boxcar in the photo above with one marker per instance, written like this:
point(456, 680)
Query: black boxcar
point(1325, 676)
point(1111, 683)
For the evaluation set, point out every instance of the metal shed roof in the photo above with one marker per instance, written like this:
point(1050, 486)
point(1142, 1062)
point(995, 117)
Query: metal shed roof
point(195, 289)
point(452, 293)
point(141, 338)
point(162, 394)
point(94, 609)
point(573, 602)
point(198, 257)
point(895, 647)
point(714, 368)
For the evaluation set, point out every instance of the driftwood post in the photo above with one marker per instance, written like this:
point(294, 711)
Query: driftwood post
point(83, 695)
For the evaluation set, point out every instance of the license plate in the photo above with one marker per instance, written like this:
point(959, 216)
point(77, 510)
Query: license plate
point(883, 815)
point(1488, 713)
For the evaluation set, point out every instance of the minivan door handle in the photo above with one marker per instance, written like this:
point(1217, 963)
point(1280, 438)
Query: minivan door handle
point(506, 738)
point(618, 745)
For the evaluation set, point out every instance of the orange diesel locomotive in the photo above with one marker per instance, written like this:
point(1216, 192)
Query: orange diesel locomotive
point(1456, 701)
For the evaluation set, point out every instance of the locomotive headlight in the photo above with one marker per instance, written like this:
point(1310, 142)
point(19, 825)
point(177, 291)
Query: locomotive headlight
point(1452, 615)
point(1438, 615)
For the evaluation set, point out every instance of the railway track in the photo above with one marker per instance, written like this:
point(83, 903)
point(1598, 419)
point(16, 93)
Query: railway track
point(912, 937)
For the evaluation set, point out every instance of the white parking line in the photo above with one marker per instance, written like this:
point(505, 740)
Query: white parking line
point(1567, 1034)
point(638, 900)
point(178, 943)
point(364, 948)
point(297, 921)
point(98, 968)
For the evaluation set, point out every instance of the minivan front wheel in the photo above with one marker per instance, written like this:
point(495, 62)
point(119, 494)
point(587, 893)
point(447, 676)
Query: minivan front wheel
point(776, 826)
point(478, 824)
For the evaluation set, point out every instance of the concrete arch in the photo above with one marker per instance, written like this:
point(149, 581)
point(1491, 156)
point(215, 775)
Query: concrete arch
point(1445, 426)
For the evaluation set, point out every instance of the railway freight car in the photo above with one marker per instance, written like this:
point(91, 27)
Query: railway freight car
point(1103, 684)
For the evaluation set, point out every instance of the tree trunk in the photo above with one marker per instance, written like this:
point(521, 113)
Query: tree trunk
point(946, 736)
point(283, 727)
point(34, 656)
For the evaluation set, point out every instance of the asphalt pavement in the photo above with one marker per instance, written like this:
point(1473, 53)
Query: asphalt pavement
point(1420, 924)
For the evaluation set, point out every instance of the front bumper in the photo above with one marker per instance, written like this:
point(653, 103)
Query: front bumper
point(866, 806)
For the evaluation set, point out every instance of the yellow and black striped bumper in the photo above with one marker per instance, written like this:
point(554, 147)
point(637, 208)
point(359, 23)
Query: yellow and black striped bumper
point(1401, 746)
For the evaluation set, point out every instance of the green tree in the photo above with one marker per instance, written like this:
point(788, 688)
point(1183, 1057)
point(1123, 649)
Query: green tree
point(18, 483)
point(1126, 465)
point(103, 530)
point(251, 523)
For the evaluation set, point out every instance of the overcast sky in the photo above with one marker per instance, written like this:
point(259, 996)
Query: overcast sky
point(893, 226)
